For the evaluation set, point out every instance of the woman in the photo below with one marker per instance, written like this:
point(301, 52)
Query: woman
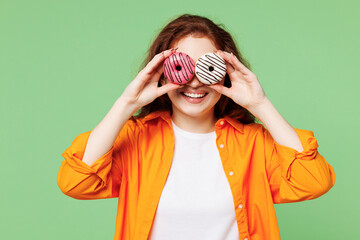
point(194, 164)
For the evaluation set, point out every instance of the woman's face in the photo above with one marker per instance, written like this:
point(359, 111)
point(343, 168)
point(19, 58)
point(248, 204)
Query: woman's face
point(184, 102)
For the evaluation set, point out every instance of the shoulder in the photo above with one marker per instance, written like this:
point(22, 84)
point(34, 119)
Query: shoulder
point(254, 128)
point(152, 121)
point(245, 128)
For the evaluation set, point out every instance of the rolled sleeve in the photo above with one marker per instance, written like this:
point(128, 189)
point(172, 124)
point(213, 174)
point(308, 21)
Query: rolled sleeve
point(297, 176)
point(81, 181)
point(74, 154)
point(289, 155)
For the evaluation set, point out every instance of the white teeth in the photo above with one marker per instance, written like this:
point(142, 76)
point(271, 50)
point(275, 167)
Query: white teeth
point(194, 95)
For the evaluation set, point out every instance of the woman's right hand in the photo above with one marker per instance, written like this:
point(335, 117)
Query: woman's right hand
point(144, 88)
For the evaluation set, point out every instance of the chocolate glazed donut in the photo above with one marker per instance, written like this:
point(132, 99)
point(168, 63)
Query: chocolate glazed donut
point(179, 68)
point(210, 68)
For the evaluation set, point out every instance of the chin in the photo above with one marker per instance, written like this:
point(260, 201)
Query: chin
point(194, 106)
point(194, 111)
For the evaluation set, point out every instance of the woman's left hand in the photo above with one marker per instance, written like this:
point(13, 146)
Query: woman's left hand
point(245, 88)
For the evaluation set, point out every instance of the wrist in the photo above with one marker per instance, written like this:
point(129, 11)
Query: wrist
point(124, 105)
point(257, 109)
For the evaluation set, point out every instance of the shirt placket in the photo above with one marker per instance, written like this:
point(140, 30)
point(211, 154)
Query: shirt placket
point(158, 187)
point(233, 179)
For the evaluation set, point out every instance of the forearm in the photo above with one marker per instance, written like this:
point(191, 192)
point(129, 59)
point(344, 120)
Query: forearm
point(103, 136)
point(281, 131)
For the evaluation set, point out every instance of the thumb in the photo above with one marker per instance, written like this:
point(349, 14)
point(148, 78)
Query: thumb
point(221, 89)
point(167, 88)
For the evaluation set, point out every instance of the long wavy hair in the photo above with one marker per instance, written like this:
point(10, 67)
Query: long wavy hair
point(196, 26)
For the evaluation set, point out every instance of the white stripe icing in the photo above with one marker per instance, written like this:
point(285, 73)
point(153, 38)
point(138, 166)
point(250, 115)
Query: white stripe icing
point(203, 65)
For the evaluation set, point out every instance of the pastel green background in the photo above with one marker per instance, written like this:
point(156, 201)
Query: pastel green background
point(64, 63)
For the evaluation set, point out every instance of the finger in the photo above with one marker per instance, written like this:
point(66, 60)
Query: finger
point(240, 66)
point(145, 74)
point(158, 73)
point(229, 68)
point(235, 62)
point(167, 88)
point(157, 59)
point(221, 89)
point(229, 62)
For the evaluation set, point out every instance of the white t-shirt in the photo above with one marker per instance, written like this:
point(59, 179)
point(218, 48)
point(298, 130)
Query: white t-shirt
point(196, 202)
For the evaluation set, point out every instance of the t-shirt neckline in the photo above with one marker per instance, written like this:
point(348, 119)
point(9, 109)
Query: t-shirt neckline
point(185, 133)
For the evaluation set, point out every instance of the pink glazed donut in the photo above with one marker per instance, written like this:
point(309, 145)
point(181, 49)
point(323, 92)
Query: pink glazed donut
point(179, 68)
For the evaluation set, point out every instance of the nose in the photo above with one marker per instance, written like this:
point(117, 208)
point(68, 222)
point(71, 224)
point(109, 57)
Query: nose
point(194, 82)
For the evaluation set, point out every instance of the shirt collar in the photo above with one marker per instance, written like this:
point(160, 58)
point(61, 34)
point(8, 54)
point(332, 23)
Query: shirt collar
point(165, 115)
point(233, 122)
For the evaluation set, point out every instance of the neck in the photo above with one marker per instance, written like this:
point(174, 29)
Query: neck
point(198, 124)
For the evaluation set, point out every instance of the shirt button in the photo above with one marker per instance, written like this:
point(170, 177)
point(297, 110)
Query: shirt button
point(222, 122)
point(221, 145)
point(245, 238)
point(240, 206)
point(231, 173)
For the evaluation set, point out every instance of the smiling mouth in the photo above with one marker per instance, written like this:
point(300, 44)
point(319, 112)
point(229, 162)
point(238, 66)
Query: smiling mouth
point(194, 95)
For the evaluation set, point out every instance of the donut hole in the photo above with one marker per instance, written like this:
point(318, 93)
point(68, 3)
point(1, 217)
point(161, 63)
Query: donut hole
point(211, 68)
point(178, 68)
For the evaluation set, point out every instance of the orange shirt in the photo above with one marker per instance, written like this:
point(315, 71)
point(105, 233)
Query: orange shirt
point(260, 172)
